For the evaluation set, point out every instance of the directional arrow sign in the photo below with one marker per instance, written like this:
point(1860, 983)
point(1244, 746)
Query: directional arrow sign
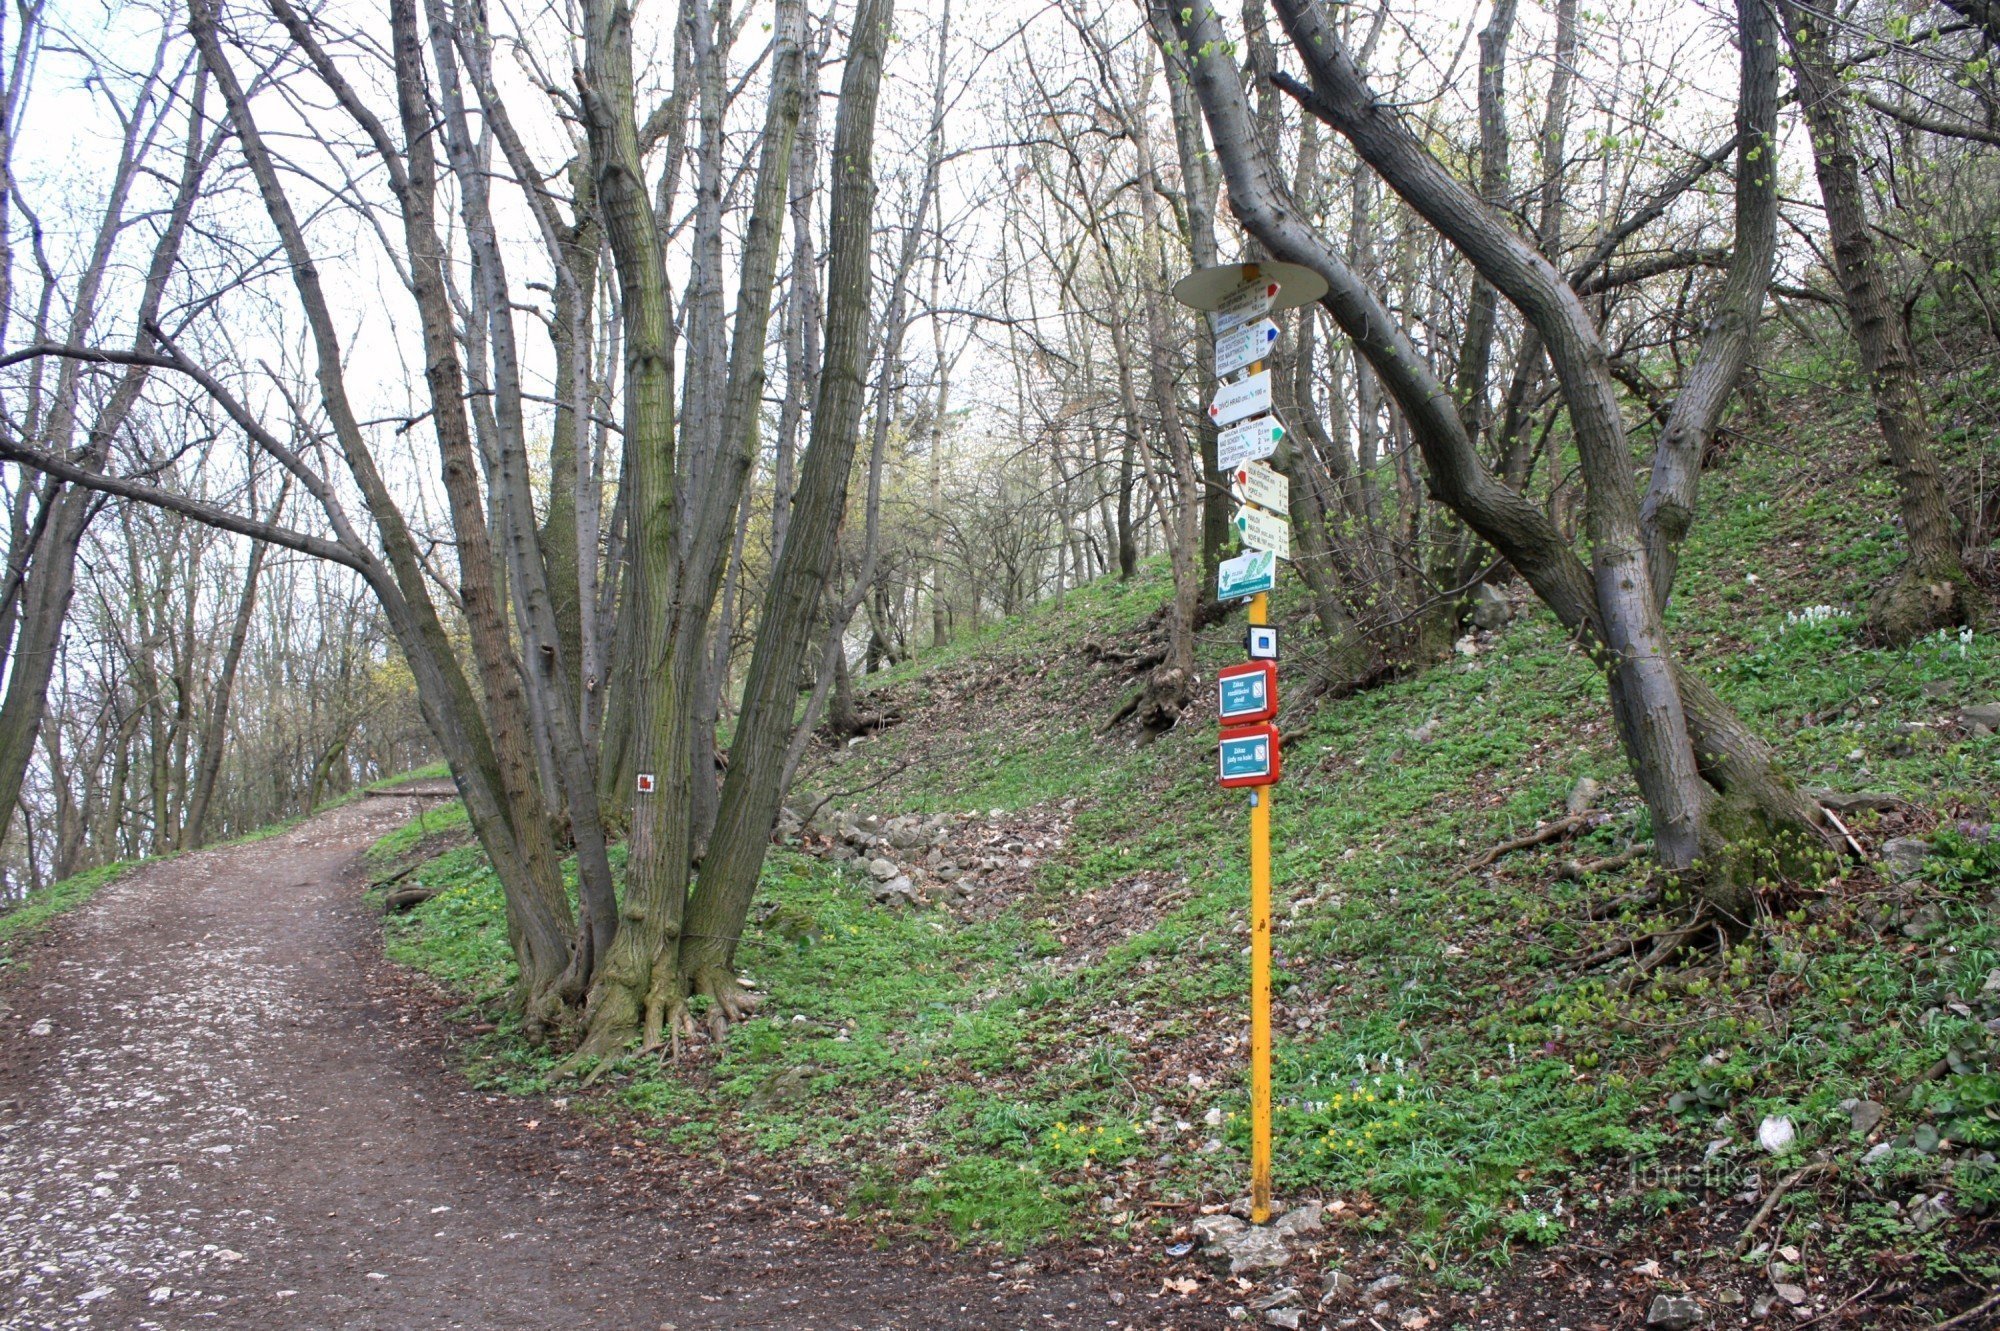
point(1261, 531)
point(1246, 575)
point(1247, 345)
point(1246, 442)
point(1239, 307)
point(1245, 397)
point(1255, 483)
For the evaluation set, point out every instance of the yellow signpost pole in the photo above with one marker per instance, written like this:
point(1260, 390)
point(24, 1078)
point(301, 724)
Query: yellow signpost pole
point(1260, 982)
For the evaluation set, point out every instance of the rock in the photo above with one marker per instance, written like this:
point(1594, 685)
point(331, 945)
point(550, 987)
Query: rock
point(1299, 1220)
point(1879, 1151)
point(948, 873)
point(906, 837)
point(1792, 1294)
point(1423, 733)
point(788, 1086)
point(1288, 1318)
point(1673, 1312)
point(1856, 801)
point(1761, 1305)
point(1936, 688)
point(1245, 1247)
point(1904, 855)
point(898, 891)
point(1490, 607)
point(1927, 1213)
point(1338, 1285)
point(841, 853)
point(1215, 1228)
point(1775, 1134)
point(1984, 715)
point(1286, 1296)
point(1388, 1284)
point(1864, 1115)
point(1583, 795)
point(1466, 646)
point(883, 870)
point(953, 894)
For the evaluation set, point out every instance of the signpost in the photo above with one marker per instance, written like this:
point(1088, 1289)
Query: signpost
point(1248, 344)
point(1248, 574)
point(1262, 531)
point(1237, 298)
point(1245, 397)
point(1248, 442)
point(1255, 483)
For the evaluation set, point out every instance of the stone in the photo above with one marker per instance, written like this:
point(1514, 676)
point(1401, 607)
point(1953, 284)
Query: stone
point(953, 894)
point(1338, 1285)
point(1865, 1115)
point(906, 837)
point(1285, 1296)
point(1215, 1228)
point(1673, 1312)
point(1879, 1151)
point(949, 873)
point(1927, 1213)
point(1388, 1284)
point(1490, 607)
point(1986, 714)
point(1583, 795)
point(1776, 1134)
point(841, 853)
point(1761, 1305)
point(1904, 856)
point(1936, 688)
point(1792, 1294)
point(1228, 1241)
point(1299, 1220)
point(1286, 1318)
point(883, 870)
point(898, 891)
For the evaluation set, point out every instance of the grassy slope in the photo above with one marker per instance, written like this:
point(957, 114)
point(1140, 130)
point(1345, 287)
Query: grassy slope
point(1072, 1046)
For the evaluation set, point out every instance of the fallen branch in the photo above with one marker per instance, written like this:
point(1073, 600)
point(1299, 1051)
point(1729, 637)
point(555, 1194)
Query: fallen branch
point(408, 897)
point(1556, 831)
point(1785, 1185)
point(1577, 870)
point(1970, 1315)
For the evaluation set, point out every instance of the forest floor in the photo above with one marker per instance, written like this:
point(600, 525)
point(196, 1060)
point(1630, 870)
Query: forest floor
point(220, 1107)
point(1004, 975)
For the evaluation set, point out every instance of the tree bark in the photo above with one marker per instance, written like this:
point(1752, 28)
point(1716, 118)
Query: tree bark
point(1931, 590)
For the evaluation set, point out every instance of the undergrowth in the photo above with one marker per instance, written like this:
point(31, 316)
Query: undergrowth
point(1445, 1065)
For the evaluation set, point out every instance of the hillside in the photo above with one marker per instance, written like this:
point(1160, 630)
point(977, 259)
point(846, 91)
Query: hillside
point(1038, 1036)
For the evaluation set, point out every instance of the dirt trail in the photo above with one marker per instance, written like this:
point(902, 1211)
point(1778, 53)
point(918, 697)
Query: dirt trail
point(213, 1114)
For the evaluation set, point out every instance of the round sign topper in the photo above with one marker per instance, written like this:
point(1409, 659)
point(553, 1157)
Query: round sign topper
point(1208, 288)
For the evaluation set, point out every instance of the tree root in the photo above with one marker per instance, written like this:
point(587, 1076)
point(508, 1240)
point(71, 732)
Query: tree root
point(1556, 831)
point(1578, 870)
point(1785, 1185)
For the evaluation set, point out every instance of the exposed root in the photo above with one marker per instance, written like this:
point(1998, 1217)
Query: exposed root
point(1555, 831)
point(1604, 910)
point(1785, 1185)
point(729, 1001)
point(1578, 870)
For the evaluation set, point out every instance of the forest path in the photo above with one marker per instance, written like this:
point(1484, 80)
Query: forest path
point(214, 1112)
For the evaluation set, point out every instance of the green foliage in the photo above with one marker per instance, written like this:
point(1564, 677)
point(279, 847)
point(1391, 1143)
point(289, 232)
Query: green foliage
point(1444, 1061)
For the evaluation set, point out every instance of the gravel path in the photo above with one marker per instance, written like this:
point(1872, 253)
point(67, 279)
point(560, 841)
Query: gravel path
point(213, 1114)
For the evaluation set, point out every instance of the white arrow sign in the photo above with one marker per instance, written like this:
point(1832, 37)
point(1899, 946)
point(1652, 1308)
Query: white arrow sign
point(1255, 483)
point(1247, 442)
point(1246, 346)
point(1245, 397)
point(1261, 531)
point(1239, 307)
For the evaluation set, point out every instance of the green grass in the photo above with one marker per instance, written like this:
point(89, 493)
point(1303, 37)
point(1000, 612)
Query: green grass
point(1442, 1061)
point(21, 925)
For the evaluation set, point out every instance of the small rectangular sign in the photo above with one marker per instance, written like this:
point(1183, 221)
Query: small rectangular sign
point(1250, 301)
point(1246, 397)
point(1249, 757)
point(1260, 642)
point(1251, 440)
point(1245, 346)
point(1255, 483)
point(1263, 531)
point(1246, 575)
point(645, 783)
point(1247, 693)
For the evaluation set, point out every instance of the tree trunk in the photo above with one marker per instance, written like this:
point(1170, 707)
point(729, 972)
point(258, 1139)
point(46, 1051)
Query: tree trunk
point(752, 790)
point(1932, 589)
